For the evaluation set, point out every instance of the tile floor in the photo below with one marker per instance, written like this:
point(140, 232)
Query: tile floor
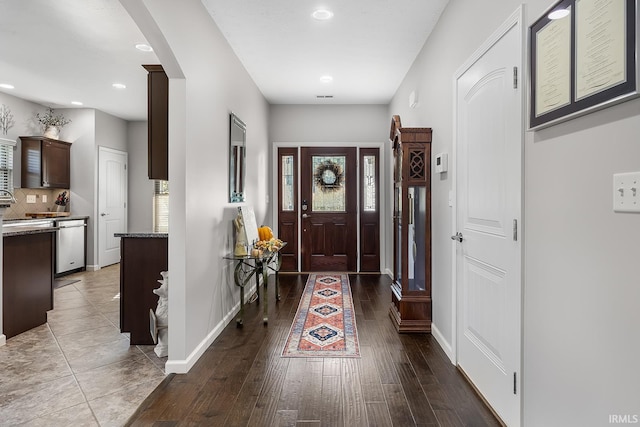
point(78, 369)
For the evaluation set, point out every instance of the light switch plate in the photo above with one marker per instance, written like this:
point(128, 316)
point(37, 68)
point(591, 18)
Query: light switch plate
point(31, 198)
point(44, 198)
point(626, 192)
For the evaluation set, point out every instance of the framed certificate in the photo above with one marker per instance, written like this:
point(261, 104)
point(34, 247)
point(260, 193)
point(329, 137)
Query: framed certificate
point(583, 58)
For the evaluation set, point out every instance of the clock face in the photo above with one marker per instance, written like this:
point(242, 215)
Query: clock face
point(328, 177)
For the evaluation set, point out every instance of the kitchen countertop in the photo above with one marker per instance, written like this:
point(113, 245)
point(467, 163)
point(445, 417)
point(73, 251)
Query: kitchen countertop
point(143, 235)
point(58, 218)
point(21, 230)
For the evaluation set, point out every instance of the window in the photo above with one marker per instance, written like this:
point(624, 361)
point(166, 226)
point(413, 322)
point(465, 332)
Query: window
point(288, 188)
point(161, 206)
point(6, 169)
point(370, 184)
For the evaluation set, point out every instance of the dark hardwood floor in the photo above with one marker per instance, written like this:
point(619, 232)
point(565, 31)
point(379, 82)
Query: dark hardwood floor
point(241, 380)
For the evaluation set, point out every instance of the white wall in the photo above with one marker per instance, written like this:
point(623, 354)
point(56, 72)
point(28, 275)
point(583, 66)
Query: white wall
point(89, 129)
point(140, 186)
point(329, 123)
point(111, 131)
point(81, 132)
point(207, 83)
point(581, 291)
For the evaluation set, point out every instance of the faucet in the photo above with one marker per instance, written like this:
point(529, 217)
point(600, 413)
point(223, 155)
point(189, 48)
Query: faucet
point(10, 194)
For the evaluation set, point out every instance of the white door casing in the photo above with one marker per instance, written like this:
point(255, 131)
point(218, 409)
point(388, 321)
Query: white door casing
point(112, 203)
point(489, 130)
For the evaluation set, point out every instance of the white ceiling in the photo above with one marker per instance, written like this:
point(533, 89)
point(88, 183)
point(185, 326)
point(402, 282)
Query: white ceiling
point(58, 51)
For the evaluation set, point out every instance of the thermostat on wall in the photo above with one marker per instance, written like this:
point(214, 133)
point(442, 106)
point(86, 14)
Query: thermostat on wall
point(441, 162)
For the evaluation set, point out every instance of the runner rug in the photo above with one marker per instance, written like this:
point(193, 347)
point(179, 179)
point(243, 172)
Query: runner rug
point(325, 324)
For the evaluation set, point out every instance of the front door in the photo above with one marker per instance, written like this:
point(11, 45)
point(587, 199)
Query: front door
point(112, 203)
point(488, 249)
point(328, 206)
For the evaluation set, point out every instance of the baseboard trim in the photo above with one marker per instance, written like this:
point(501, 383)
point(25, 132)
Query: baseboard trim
point(3, 339)
point(446, 347)
point(183, 366)
point(92, 267)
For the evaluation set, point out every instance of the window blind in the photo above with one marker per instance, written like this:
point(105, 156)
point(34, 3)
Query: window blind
point(6, 169)
point(161, 206)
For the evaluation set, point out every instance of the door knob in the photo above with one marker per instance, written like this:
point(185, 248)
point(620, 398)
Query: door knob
point(103, 214)
point(305, 216)
point(458, 237)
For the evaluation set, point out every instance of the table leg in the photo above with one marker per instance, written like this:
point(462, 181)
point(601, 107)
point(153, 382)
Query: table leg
point(258, 284)
point(265, 280)
point(241, 315)
point(277, 286)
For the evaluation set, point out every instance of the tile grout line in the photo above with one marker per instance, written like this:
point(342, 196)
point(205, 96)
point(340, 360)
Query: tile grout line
point(73, 374)
point(95, 309)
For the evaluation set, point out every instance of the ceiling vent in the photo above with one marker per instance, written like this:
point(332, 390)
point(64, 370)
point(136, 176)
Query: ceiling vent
point(324, 96)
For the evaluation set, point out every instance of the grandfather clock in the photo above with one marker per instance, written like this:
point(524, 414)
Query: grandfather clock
point(411, 288)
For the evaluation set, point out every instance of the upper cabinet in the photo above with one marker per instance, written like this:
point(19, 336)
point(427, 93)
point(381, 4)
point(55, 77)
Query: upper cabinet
point(45, 162)
point(158, 122)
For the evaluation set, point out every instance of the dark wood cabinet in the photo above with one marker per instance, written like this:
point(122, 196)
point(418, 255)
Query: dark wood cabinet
point(411, 288)
point(158, 122)
point(27, 277)
point(45, 163)
point(141, 261)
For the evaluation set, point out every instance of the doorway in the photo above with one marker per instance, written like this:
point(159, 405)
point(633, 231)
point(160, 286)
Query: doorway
point(328, 208)
point(488, 252)
point(112, 203)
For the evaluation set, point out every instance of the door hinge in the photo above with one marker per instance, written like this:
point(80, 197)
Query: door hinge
point(125, 166)
point(515, 77)
point(514, 383)
point(515, 230)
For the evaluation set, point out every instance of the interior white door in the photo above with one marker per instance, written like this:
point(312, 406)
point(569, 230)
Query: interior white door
point(489, 135)
point(112, 203)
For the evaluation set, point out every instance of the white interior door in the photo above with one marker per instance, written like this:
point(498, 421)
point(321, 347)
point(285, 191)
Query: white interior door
point(112, 203)
point(489, 134)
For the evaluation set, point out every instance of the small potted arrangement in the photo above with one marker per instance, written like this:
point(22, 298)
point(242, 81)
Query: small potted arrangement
point(52, 123)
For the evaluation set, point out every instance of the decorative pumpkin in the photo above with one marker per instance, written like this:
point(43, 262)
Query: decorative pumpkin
point(265, 232)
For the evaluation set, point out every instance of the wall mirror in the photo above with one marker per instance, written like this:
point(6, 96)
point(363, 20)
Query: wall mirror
point(237, 139)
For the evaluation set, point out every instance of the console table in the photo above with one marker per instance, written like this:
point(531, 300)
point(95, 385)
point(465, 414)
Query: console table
point(246, 267)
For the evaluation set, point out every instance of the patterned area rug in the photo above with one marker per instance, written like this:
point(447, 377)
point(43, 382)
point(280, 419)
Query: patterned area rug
point(325, 324)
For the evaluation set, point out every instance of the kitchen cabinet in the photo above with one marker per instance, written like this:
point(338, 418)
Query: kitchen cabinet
point(157, 122)
point(27, 277)
point(45, 162)
point(142, 257)
point(411, 288)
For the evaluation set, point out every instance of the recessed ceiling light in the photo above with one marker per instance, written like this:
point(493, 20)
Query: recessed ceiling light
point(322, 14)
point(119, 86)
point(559, 14)
point(6, 86)
point(326, 79)
point(144, 47)
point(76, 102)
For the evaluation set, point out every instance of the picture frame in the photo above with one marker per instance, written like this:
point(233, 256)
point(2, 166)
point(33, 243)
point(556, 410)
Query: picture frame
point(584, 61)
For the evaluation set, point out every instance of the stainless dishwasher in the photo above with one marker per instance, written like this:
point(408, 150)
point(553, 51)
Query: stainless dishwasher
point(70, 245)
